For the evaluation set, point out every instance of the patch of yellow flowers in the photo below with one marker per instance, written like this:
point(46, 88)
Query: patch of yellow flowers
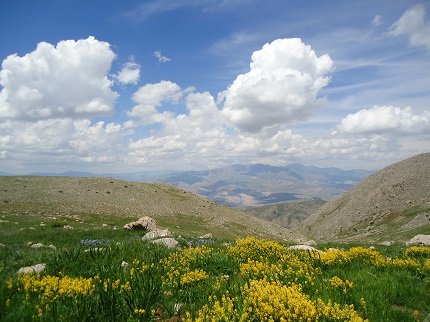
point(50, 288)
point(261, 300)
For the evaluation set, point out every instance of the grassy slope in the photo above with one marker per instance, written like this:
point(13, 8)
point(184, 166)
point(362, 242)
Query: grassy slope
point(115, 202)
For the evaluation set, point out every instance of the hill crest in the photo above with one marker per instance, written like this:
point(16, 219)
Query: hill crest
point(392, 203)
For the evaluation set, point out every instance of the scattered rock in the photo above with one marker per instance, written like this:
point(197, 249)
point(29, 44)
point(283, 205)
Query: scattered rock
point(158, 233)
point(423, 240)
point(40, 245)
point(206, 236)
point(387, 243)
point(67, 227)
point(144, 223)
point(105, 225)
point(37, 245)
point(304, 247)
point(124, 265)
point(35, 269)
point(2, 245)
point(168, 242)
point(95, 249)
point(31, 228)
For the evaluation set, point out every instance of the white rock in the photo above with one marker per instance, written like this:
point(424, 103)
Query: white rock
point(158, 233)
point(423, 240)
point(168, 242)
point(52, 247)
point(67, 227)
point(2, 245)
point(37, 245)
point(124, 265)
point(144, 223)
point(304, 247)
point(35, 269)
point(105, 225)
point(206, 236)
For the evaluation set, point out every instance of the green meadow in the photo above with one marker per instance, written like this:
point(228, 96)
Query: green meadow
point(103, 273)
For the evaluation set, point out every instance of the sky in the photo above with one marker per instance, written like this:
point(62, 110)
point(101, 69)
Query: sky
point(165, 85)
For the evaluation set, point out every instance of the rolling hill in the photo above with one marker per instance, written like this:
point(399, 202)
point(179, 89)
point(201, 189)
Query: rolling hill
point(85, 197)
point(287, 214)
point(391, 204)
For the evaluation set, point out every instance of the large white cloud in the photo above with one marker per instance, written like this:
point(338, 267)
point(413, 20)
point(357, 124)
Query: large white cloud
point(65, 80)
point(98, 142)
point(413, 24)
point(151, 96)
point(383, 119)
point(282, 86)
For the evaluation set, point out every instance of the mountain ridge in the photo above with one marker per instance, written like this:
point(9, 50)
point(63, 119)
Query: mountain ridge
point(391, 203)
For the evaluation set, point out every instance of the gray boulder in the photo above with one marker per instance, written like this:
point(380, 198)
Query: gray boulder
point(423, 240)
point(156, 234)
point(144, 223)
point(35, 269)
point(167, 242)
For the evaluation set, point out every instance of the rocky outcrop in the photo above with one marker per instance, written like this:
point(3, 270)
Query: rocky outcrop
point(422, 240)
point(144, 223)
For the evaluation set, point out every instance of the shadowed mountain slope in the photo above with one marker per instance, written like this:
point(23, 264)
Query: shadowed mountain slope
point(180, 211)
point(391, 204)
point(287, 214)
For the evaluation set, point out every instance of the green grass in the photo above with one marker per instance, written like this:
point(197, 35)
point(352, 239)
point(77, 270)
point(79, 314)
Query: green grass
point(154, 280)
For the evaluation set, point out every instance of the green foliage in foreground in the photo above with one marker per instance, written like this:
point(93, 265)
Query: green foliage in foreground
point(248, 280)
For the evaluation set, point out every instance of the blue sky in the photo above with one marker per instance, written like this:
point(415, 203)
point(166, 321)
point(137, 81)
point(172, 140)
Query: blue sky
point(122, 86)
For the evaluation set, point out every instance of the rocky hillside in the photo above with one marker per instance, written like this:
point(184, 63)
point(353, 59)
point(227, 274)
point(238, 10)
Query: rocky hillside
point(287, 214)
point(391, 204)
point(180, 211)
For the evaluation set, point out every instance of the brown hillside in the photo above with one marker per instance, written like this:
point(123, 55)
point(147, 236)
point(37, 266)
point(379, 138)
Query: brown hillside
point(391, 204)
point(176, 209)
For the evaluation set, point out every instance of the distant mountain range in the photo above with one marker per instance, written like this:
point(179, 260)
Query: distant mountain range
point(260, 184)
point(250, 185)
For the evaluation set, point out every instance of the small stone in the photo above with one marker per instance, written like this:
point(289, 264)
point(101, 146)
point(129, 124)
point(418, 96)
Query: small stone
point(37, 245)
point(304, 247)
point(67, 227)
point(52, 247)
point(35, 269)
point(206, 236)
point(124, 265)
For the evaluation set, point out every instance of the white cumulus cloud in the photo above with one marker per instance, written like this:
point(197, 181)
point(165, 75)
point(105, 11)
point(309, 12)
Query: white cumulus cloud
point(413, 24)
point(129, 74)
point(64, 80)
point(282, 86)
point(150, 96)
point(383, 119)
